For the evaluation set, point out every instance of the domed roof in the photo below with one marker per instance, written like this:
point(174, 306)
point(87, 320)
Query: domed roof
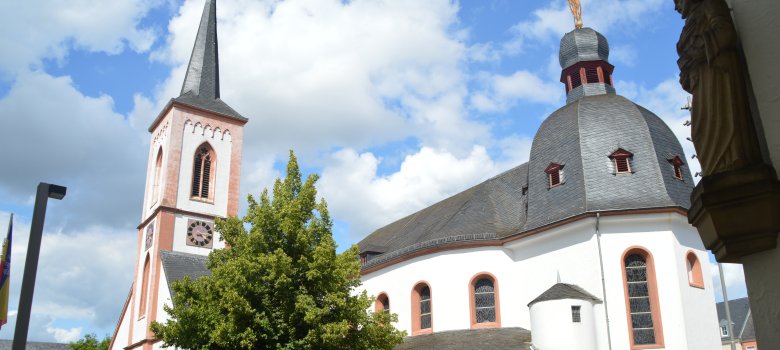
point(581, 137)
point(583, 44)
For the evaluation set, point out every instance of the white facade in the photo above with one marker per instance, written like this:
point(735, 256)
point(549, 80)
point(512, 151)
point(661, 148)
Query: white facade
point(554, 328)
point(526, 267)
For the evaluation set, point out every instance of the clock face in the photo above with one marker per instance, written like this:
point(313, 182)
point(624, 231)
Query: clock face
point(199, 233)
point(149, 235)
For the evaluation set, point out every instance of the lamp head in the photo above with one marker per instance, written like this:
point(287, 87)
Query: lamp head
point(57, 191)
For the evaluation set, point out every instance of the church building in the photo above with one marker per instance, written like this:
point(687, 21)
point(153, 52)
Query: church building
point(585, 246)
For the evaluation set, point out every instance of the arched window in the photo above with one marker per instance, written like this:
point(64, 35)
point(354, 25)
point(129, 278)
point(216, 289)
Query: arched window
point(554, 174)
point(621, 159)
point(157, 176)
point(642, 309)
point(422, 311)
point(144, 287)
point(693, 268)
point(203, 173)
point(485, 311)
point(382, 303)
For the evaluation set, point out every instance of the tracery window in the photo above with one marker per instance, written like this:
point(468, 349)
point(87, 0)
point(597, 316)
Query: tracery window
point(484, 303)
point(422, 310)
point(641, 299)
point(203, 173)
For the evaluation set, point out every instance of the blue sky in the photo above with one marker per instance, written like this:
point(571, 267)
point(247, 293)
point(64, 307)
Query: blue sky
point(397, 104)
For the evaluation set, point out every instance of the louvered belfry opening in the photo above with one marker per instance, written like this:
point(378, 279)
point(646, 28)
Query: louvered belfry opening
point(201, 173)
point(677, 163)
point(485, 300)
point(639, 301)
point(622, 161)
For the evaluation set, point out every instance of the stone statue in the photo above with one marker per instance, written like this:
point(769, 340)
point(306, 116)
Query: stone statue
point(710, 69)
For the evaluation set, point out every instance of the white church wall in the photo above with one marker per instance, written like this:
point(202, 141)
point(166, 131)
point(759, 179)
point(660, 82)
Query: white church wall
point(554, 329)
point(196, 132)
point(163, 298)
point(655, 234)
point(123, 332)
point(529, 266)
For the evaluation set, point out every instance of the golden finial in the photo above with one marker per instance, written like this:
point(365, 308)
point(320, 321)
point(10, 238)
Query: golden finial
point(576, 10)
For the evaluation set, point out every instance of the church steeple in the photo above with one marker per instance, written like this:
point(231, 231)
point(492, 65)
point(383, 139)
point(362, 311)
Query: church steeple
point(202, 77)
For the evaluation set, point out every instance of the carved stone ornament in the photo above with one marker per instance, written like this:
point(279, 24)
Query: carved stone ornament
point(735, 206)
point(710, 69)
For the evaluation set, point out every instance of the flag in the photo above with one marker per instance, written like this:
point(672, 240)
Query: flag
point(5, 274)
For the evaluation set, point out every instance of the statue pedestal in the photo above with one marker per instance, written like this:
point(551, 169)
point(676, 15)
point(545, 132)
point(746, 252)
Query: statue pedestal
point(737, 212)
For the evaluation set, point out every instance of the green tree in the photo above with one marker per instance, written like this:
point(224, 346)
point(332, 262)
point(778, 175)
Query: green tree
point(90, 342)
point(279, 285)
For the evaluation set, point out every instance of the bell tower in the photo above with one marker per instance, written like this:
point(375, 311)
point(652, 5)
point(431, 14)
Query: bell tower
point(193, 176)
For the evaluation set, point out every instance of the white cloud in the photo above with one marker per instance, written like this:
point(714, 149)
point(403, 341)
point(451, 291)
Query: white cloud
point(665, 100)
point(34, 30)
point(61, 136)
point(83, 276)
point(551, 22)
point(501, 92)
point(330, 73)
point(64, 335)
point(357, 194)
point(734, 277)
point(625, 54)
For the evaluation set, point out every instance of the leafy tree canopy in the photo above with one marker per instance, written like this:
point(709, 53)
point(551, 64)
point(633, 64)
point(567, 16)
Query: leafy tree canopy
point(279, 285)
point(91, 342)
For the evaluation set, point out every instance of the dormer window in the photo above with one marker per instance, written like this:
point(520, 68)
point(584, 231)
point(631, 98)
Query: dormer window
point(621, 160)
point(677, 163)
point(554, 174)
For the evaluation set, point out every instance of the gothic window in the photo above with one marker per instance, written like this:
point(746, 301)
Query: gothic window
point(575, 314)
point(157, 176)
point(693, 268)
point(641, 298)
point(621, 160)
point(422, 311)
point(144, 287)
point(382, 303)
point(677, 164)
point(203, 173)
point(554, 174)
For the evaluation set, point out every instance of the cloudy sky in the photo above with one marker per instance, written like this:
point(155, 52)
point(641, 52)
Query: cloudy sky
point(396, 103)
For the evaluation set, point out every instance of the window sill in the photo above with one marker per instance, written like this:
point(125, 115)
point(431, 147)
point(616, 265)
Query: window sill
point(201, 200)
point(485, 325)
point(422, 331)
point(648, 346)
point(696, 285)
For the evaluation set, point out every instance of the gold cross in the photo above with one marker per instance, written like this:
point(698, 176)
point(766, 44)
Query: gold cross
point(576, 10)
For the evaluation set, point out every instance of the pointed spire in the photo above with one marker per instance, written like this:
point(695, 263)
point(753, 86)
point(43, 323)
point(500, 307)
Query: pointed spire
point(202, 77)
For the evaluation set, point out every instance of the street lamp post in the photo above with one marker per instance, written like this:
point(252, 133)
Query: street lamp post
point(45, 191)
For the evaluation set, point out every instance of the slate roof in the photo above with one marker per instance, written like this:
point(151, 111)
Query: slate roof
point(740, 316)
point(177, 265)
point(580, 136)
point(200, 88)
point(564, 291)
point(582, 44)
point(34, 345)
point(471, 339)
point(487, 211)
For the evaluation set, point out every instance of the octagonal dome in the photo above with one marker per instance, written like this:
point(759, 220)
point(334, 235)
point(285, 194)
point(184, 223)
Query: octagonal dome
point(583, 44)
point(582, 138)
